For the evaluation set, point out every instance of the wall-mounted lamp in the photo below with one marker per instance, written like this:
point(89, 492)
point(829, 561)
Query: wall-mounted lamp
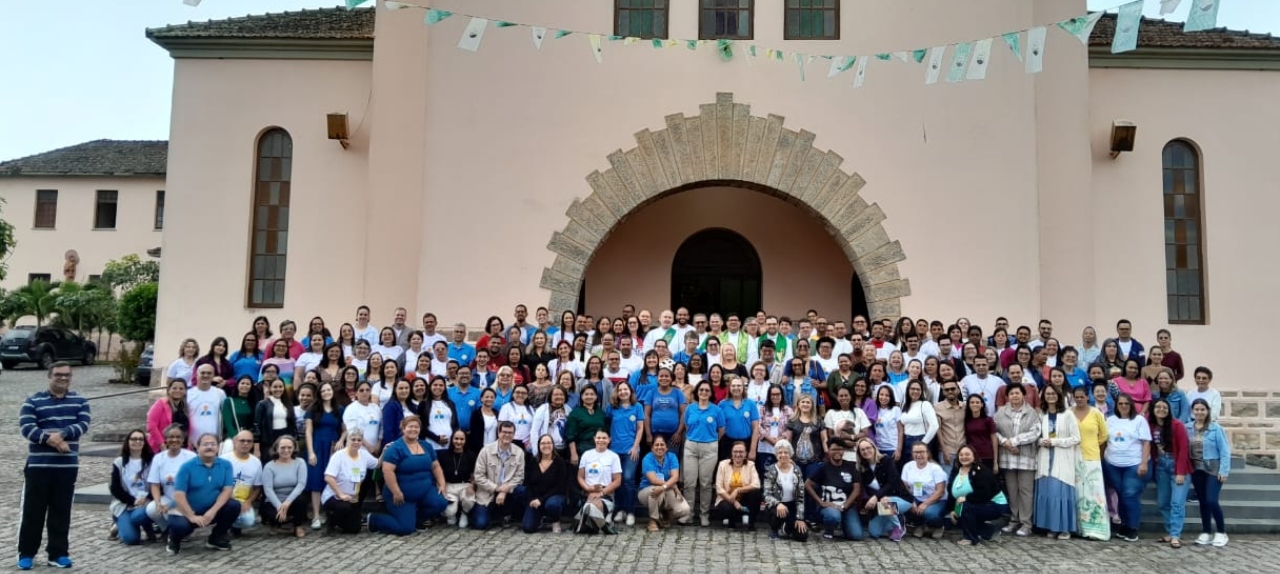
point(1123, 133)
point(338, 129)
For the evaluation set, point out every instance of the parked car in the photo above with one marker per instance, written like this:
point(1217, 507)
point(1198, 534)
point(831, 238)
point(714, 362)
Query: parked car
point(43, 346)
point(142, 376)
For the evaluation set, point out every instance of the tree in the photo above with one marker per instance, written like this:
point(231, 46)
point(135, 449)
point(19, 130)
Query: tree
point(34, 300)
point(130, 271)
point(6, 244)
point(136, 317)
point(84, 307)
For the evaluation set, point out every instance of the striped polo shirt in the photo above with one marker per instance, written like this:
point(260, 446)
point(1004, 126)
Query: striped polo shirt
point(42, 414)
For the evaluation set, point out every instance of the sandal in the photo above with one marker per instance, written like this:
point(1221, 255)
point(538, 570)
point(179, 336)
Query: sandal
point(1166, 539)
point(1175, 543)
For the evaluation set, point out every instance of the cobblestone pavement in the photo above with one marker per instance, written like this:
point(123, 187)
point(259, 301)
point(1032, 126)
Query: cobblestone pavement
point(681, 550)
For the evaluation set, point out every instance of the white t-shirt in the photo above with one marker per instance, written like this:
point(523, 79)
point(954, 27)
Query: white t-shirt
point(631, 364)
point(391, 353)
point(600, 466)
point(985, 388)
point(887, 428)
point(308, 361)
point(1211, 396)
point(179, 369)
point(521, 416)
point(133, 480)
point(367, 418)
point(439, 423)
point(248, 474)
point(429, 341)
point(206, 412)
point(922, 481)
point(575, 367)
point(348, 472)
point(837, 418)
point(1124, 440)
point(787, 483)
point(164, 469)
point(382, 392)
point(368, 333)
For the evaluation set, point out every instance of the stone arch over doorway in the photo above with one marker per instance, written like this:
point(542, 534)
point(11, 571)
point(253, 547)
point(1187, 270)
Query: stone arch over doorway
point(726, 145)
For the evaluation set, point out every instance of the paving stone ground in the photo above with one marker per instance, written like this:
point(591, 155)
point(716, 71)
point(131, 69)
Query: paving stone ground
point(677, 551)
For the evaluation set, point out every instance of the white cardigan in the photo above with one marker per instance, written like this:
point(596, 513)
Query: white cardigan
point(1065, 449)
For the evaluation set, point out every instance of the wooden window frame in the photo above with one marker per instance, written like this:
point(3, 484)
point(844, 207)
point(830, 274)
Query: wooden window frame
point(704, 10)
point(788, 12)
point(1193, 211)
point(158, 217)
point(98, 202)
point(33, 277)
point(664, 33)
point(53, 211)
point(280, 174)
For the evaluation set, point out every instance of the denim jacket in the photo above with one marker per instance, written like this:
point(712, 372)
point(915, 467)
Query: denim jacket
point(1179, 407)
point(1216, 446)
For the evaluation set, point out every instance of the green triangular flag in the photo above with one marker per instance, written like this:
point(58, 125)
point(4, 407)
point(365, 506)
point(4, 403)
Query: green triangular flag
point(614, 38)
point(501, 24)
point(353, 3)
point(918, 55)
point(779, 55)
point(847, 63)
point(752, 50)
point(562, 33)
point(885, 57)
point(435, 16)
point(725, 47)
point(1081, 27)
point(691, 44)
point(657, 43)
point(800, 63)
point(1014, 40)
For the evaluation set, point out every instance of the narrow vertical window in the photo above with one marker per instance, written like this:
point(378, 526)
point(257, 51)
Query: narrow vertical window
point(46, 208)
point(1183, 233)
point(812, 20)
point(640, 18)
point(104, 211)
point(728, 19)
point(159, 215)
point(268, 246)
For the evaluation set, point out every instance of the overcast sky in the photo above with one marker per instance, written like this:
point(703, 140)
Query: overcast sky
point(79, 71)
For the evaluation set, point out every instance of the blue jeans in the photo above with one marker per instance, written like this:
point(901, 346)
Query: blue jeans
point(1172, 496)
point(180, 527)
point(848, 521)
point(627, 492)
point(551, 510)
point(1128, 486)
point(130, 524)
point(764, 460)
point(421, 501)
point(975, 520)
point(907, 441)
point(881, 526)
point(512, 507)
point(1208, 487)
point(812, 511)
point(932, 516)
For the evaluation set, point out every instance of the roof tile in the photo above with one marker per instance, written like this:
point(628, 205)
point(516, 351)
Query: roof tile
point(1156, 33)
point(114, 158)
point(319, 24)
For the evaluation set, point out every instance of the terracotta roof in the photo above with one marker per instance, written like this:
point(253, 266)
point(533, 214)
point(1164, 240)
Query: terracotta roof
point(1156, 33)
point(100, 157)
point(319, 24)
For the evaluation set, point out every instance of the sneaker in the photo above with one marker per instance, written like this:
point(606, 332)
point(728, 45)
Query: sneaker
point(938, 533)
point(555, 528)
point(897, 533)
point(773, 534)
point(1064, 536)
point(706, 521)
point(608, 528)
point(619, 516)
point(315, 524)
point(1007, 528)
point(26, 562)
point(173, 546)
point(113, 533)
point(828, 535)
point(1024, 531)
point(462, 521)
point(1220, 539)
point(451, 521)
point(918, 532)
point(631, 519)
point(1204, 539)
point(726, 522)
point(217, 544)
point(1130, 536)
point(746, 519)
point(685, 521)
point(61, 562)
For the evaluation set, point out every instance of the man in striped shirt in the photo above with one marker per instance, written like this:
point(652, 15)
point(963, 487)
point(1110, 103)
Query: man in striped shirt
point(52, 421)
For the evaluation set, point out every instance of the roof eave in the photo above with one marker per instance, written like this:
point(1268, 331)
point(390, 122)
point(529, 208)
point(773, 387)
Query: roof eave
point(1186, 58)
point(8, 175)
point(267, 48)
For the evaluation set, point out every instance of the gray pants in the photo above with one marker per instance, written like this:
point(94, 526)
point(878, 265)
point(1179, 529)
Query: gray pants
point(699, 468)
point(1022, 495)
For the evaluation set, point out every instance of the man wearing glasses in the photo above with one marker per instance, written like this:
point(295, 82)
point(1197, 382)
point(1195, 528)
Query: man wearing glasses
point(950, 425)
point(202, 497)
point(248, 475)
point(52, 422)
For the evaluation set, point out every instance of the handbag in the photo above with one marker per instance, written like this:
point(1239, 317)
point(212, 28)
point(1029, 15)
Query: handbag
point(886, 508)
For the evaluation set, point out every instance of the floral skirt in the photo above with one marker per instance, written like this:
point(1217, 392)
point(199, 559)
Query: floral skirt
point(1091, 501)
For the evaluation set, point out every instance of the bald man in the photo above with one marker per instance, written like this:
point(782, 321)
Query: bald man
point(248, 476)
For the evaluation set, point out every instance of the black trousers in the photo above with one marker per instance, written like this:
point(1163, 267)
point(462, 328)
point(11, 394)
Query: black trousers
point(750, 502)
point(343, 516)
point(46, 499)
point(786, 527)
point(297, 515)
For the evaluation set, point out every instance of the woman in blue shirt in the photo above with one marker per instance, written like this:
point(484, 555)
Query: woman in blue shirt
point(248, 360)
point(741, 421)
point(1211, 459)
point(664, 409)
point(414, 488)
point(660, 475)
point(704, 425)
point(626, 428)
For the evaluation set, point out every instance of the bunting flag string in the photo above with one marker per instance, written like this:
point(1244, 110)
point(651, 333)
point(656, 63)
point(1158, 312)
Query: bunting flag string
point(969, 59)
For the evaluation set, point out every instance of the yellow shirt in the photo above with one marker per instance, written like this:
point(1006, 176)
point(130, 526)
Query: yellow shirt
point(1093, 432)
point(735, 481)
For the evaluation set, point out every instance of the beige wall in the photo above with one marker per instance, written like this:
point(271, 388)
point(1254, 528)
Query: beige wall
point(1231, 117)
point(219, 109)
point(801, 266)
point(43, 250)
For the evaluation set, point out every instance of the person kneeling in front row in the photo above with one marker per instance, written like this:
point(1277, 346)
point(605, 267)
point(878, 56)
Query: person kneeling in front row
point(784, 495)
point(202, 497)
point(499, 480)
point(414, 483)
point(836, 488)
point(342, 478)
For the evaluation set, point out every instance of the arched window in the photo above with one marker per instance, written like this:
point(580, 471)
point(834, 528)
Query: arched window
point(1183, 233)
point(268, 246)
point(716, 271)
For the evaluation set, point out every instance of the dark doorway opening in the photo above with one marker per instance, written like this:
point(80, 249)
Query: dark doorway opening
point(858, 299)
point(716, 271)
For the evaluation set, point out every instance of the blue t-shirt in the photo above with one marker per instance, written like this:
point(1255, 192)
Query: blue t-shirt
point(644, 388)
point(664, 411)
point(203, 483)
point(663, 469)
point(737, 420)
point(623, 423)
point(703, 425)
point(1077, 378)
point(465, 403)
point(464, 354)
point(398, 451)
point(246, 365)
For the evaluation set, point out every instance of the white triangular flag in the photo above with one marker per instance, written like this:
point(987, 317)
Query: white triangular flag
point(837, 66)
point(935, 64)
point(1168, 6)
point(860, 74)
point(596, 50)
point(1203, 15)
point(539, 34)
point(978, 63)
point(396, 5)
point(904, 56)
point(1035, 49)
point(1128, 20)
point(1082, 26)
point(473, 34)
point(629, 40)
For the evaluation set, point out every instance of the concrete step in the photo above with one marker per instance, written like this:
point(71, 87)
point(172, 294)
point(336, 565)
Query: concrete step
point(93, 494)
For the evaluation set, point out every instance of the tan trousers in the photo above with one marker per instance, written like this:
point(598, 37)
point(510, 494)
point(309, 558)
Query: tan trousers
point(1022, 495)
point(670, 500)
point(699, 470)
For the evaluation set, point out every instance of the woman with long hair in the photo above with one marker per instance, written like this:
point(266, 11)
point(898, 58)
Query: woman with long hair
point(273, 417)
point(1172, 460)
point(553, 418)
point(129, 492)
point(540, 386)
point(738, 488)
point(238, 408)
point(439, 413)
point(1131, 383)
point(888, 434)
point(704, 425)
point(919, 420)
point(384, 387)
point(659, 482)
point(975, 498)
point(627, 425)
point(1058, 459)
point(284, 479)
point(1091, 492)
point(518, 412)
point(218, 358)
point(539, 351)
point(168, 410)
point(262, 329)
point(459, 465)
point(1211, 458)
point(184, 366)
point(248, 359)
point(394, 410)
point(278, 355)
point(310, 359)
point(325, 435)
point(484, 422)
point(546, 482)
point(775, 416)
point(845, 422)
point(886, 495)
point(808, 447)
point(1125, 463)
point(1110, 359)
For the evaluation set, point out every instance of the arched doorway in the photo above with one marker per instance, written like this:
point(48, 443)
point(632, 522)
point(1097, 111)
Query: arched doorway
point(858, 297)
point(716, 271)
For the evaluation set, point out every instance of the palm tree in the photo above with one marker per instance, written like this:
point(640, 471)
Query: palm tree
point(83, 307)
point(36, 299)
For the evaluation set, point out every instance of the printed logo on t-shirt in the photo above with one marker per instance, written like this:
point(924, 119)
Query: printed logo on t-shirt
point(711, 420)
point(593, 469)
point(205, 411)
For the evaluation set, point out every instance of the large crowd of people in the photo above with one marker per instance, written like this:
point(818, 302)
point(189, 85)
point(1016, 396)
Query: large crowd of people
point(879, 429)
